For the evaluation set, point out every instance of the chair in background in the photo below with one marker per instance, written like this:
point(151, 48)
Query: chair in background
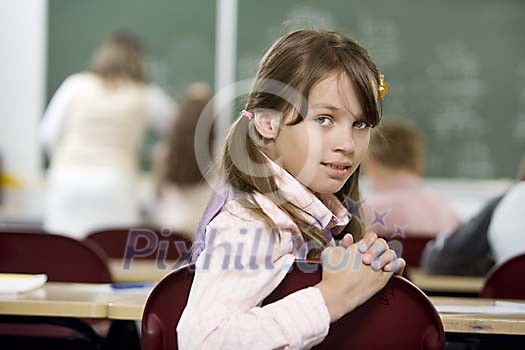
point(63, 259)
point(506, 281)
point(377, 324)
point(409, 248)
point(412, 247)
point(115, 241)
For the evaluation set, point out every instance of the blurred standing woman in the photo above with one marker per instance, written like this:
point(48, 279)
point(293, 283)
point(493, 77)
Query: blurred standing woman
point(93, 130)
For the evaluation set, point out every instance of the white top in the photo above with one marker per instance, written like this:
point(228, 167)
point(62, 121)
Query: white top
point(94, 132)
point(507, 229)
point(90, 123)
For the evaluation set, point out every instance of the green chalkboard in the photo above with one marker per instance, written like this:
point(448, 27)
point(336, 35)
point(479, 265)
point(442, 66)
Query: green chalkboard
point(179, 37)
point(456, 67)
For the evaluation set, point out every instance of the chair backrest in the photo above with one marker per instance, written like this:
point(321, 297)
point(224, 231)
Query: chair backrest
point(141, 243)
point(506, 281)
point(411, 248)
point(62, 258)
point(400, 314)
point(164, 308)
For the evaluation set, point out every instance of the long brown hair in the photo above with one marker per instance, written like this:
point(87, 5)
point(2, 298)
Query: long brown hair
point(119, 57)
point(299, 60)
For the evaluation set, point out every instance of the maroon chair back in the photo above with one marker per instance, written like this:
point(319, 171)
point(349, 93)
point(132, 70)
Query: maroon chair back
point(400, 314)
point(411, 248)
point(164, 308)
point(506, 281)
point(63, 259)
point(141, 243)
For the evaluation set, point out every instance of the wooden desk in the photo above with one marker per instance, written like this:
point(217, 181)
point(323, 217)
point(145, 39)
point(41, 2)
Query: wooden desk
point(141, 270)
point(61, 299)
point(100, 301)
point(511, 324)
point(132, 308)
point(85, 300)
point(443, 284)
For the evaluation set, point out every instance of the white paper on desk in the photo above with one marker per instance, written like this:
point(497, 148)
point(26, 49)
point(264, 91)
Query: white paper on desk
point(499, 308)
point(11, 283)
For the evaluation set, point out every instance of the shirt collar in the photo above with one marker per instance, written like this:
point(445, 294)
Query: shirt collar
point(326, 208)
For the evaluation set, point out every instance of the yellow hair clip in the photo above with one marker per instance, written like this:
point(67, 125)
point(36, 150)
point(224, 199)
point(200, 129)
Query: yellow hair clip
point(383, 87)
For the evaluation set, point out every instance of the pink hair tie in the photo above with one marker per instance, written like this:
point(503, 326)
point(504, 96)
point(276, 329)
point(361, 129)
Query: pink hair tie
point(248, 115)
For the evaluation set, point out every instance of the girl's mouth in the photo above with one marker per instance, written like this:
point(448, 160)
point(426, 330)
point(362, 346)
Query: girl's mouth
point(336, 169)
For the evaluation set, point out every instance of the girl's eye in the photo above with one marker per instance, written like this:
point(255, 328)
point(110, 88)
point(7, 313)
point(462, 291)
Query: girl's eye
point(361, 124)
point(323, 120)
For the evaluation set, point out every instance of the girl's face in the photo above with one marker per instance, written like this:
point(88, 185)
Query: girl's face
point(325, 149)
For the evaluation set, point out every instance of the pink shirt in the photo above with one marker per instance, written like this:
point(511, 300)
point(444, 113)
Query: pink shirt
point(243, 262)
point(412, 208)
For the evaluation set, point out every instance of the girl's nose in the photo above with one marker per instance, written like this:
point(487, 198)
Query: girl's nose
point(343, 141)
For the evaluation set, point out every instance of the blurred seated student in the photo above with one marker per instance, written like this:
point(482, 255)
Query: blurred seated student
point(394, 167)
point(493, 236)
point(183, 193)
point(93, 130)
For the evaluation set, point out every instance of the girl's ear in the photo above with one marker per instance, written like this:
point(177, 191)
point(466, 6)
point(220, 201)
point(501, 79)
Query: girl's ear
point(267, 123)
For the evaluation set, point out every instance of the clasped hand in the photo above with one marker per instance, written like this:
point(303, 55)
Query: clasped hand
point(354, 272)
point(376, 253)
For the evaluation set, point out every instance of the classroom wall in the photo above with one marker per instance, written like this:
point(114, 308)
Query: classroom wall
point(23, 31)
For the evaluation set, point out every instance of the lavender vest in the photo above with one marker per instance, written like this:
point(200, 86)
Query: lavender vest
point(220, 197)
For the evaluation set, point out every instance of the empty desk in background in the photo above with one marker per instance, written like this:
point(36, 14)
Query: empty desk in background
point(445, 284)
point(130, 308)
point(140, 270)
point(482, 322)
point(58, 299)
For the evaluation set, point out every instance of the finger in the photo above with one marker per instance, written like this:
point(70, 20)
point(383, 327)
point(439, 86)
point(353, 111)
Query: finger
point(378, 248)
point(332, 255)
point(367, 241)
point(347, 240)
point(387, 257)
point(397, 266)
